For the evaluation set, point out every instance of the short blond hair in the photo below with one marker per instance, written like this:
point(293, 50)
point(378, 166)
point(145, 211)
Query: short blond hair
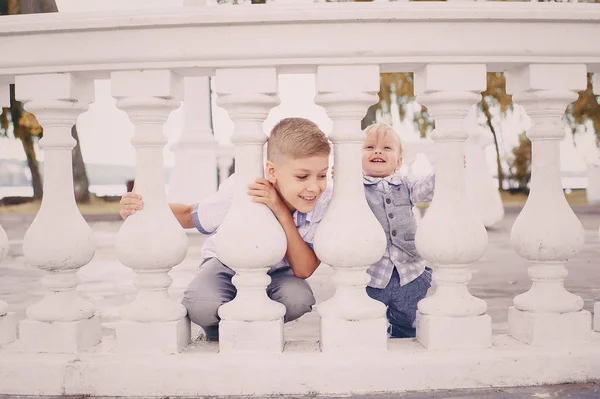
point(297, 138)
point(380, 128)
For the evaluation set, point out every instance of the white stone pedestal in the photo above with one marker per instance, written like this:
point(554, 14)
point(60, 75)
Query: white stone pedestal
point(440, 332)
point(550, 328)
point(59, 336)
point(251, 336)
point(597, 316)
point(153, 337)
point(348, 336)
point(8, 328)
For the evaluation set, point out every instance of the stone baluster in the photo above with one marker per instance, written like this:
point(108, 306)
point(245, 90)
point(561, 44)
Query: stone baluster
point(250, 240)
point(8, 321)
point(349, 238)
point(59, 241)
point(451, 236)
point(481, 188)
point(547, 233)
point(195, 174)
point(225, 161)
point(151, 242)
point(596, 87)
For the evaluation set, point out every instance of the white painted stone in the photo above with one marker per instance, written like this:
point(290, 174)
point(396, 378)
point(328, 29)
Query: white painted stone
point(346, 336)
point(59, 241)
point(152, 337)
point(597, 316)
point(8, 326)
point(3, 249)
point(451, 236)
point(152, 241)
point(550, 329)
point(59, 337)
point(440, 332)
point(194, 176)
point(249, 248)
point(592, 191)
point(251, 336)
point(349, 238)
point(547, 232)
point(4, 94)
point(225, 161)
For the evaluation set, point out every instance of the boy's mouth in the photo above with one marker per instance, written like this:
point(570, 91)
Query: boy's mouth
point(378, 160)
point(309, 199)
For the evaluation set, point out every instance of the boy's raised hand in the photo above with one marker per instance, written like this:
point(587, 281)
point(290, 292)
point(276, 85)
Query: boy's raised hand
point(130, 204)
point(262, 191)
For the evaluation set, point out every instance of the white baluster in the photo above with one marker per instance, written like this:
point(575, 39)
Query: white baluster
point(195, 174)
point(225, 161)
point(8, 321)
point(349, 238)
point(250, 239)
point(596, 88)
point(547, 232)
point(59, 241)
point(151, 242)
point(450, 235)
point(482, 191)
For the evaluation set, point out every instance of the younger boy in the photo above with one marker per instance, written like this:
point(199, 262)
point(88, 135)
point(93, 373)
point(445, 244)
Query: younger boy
point(400, 279)
point(295, 189)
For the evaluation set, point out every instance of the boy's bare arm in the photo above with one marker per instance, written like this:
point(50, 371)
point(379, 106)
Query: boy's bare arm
point(183, 214)
point(132, 203)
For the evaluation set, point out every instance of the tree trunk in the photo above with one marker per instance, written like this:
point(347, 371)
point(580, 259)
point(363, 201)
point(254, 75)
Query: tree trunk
point(37, 6)
point(488, 116)
point(370, 117)
point(80, 179)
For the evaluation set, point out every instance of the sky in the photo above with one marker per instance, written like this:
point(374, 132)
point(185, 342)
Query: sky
point(105, 131)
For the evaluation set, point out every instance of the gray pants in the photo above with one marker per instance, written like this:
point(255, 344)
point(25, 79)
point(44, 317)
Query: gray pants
point(211, 287)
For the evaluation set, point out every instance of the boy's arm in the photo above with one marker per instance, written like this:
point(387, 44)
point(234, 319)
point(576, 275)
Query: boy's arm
point(183, 214)
point(421, 190)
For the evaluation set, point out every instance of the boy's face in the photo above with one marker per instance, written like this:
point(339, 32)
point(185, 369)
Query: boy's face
point(381, 154)
point(301, 181)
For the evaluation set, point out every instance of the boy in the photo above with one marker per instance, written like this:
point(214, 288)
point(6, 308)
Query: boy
point(295, 189)
point(400, 279)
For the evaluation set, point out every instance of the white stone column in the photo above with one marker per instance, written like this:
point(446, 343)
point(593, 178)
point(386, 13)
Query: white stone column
point(349, 238)
point(8, 321)
point(451, 236)
point(59, 241)
point(194, 176)
point(151, 242)
point(225, 157)
point(482, 191)
point(250, 240)
point(596, 86)
point(547, 233)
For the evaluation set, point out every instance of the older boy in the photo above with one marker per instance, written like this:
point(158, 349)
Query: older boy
point(295, 189)
point(400, 279)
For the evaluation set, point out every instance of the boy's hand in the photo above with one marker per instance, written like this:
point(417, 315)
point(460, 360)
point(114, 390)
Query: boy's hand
point(262, 191)
point(130, 204)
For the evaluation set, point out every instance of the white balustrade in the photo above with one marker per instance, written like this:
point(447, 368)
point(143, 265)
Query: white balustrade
point(596, 88)
point(194, 176)
point(59, 241)
point(349, 238)
point(250, 240)
point(225, 158)
point(152, 241)
point(547, 233)
point(450, 236)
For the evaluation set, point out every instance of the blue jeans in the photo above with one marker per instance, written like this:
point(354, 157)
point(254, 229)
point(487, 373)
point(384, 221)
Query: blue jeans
point(402, 302)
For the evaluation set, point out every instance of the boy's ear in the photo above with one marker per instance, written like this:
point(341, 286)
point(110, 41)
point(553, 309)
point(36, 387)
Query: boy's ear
point(270, 172)
point(399, 163)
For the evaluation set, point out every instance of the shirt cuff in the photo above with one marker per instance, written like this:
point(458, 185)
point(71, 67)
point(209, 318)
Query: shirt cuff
point(197, 223)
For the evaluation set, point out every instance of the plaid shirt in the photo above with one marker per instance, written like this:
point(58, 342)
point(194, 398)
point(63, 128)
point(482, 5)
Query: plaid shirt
point(391, 199)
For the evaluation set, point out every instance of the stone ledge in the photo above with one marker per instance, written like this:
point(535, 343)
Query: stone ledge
point(406, 366)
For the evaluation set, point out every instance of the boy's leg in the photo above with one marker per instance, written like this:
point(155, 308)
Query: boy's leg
point(402, 309)
point(209, 289)
point(293, 292)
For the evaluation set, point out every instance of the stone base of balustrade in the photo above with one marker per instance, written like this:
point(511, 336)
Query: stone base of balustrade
point(8, 328)
point(59, 337)
point(597, 316)
point(301, 369)
point(152, 337)
point(353, 335)
point(251, 336)
point(436, 332)
point(550, 328)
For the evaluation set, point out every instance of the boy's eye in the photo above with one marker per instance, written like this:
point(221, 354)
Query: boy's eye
point(387, 148)
point(322, 176)
point(369, 147)
point(301, 177)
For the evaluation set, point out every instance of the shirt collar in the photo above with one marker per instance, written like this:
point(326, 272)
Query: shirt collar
point(301, 218)
point(394, 179)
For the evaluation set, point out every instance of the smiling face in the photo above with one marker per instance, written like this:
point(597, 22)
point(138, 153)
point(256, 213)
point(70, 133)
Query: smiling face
point(299, 181)
point(381, 151)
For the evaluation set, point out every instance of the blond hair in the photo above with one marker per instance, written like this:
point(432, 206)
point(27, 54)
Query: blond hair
point(380, 128)
point(297, 138)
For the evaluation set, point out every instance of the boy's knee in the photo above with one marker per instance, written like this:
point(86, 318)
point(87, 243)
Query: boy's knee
point(202, 311)
point(297, 297)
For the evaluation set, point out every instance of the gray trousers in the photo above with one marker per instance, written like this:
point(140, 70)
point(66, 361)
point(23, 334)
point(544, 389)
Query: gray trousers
point(211, 287)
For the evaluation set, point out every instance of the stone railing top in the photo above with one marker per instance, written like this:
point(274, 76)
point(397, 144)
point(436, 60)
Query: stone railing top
point(195, 40)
